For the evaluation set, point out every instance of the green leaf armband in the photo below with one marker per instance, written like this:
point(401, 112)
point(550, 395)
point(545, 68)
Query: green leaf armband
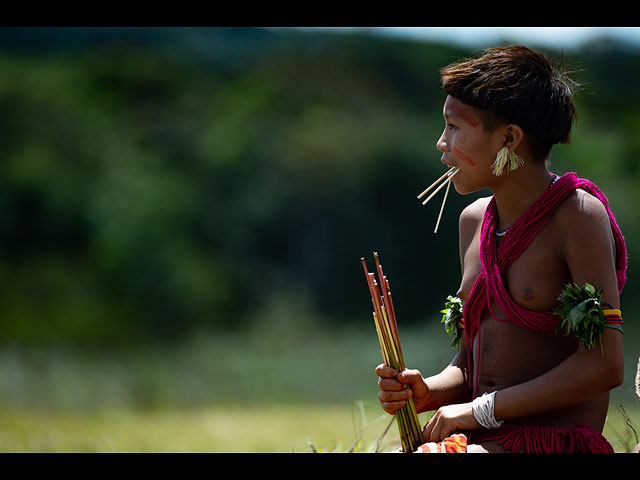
point(583, 314)
point(453, 319)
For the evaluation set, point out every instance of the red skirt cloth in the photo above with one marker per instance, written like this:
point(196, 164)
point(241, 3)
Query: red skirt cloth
point(533, 439)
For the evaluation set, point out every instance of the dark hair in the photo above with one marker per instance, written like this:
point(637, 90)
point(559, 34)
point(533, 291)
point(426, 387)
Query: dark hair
point(517, 85)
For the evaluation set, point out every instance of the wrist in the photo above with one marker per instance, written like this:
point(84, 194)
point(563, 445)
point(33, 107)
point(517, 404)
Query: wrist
point(483, 409)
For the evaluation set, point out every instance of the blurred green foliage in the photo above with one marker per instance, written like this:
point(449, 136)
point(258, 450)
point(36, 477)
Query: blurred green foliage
point(160, 181)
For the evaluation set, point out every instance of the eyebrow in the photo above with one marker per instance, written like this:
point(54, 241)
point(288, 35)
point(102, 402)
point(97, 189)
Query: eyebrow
point(462, 114)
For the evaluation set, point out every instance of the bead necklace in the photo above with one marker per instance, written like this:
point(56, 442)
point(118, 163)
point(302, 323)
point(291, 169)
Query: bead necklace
point(502, 233)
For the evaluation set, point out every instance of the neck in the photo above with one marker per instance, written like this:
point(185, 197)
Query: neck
point(516, 191)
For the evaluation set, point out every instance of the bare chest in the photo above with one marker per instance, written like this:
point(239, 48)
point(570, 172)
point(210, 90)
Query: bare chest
point(534, 280)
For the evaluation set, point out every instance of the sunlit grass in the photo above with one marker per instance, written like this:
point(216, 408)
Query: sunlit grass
point(269, 429)
point(622, 428)
point(223, 394)
point(272, 429)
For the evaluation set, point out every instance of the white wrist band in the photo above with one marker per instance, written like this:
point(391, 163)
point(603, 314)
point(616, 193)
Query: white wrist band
point(482, 408)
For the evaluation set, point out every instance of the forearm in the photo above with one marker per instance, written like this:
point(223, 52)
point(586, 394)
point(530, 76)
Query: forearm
point(582, 376)
point(449, 386)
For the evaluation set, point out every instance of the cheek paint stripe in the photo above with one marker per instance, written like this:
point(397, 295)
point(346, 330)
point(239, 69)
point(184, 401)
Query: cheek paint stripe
point(465, 158)
point(464, 116)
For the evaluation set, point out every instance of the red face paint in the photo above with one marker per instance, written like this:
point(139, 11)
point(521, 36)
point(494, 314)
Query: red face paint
point(463, 115)
point(463, 156)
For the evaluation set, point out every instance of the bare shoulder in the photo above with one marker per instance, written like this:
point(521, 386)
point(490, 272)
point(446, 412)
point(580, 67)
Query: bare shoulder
point(586, 242)
point(471, 220)
point(472, 215)
point(582, 212)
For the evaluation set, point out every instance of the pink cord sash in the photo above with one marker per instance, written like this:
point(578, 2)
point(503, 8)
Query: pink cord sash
point(496, 261)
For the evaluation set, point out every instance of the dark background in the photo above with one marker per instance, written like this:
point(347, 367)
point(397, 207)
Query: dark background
point(160, 183)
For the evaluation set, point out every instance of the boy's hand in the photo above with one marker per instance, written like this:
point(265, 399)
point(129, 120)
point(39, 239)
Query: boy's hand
point(394, 388)
point(448, 420)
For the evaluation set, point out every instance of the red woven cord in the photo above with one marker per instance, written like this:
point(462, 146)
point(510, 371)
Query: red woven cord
point(536, 439)
point(496, 261)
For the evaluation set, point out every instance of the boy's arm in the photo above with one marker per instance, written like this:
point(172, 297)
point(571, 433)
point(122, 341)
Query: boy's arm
point(451, 385)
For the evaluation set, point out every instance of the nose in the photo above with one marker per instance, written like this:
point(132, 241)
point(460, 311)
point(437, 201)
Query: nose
point(442, 144)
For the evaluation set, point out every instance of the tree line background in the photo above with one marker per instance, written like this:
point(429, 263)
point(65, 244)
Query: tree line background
point(160, 182)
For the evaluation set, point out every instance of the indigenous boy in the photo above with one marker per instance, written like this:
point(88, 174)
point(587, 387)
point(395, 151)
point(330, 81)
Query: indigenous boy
point(518, 250)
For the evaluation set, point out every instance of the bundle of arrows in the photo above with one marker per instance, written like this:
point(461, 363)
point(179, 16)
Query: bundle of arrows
point(387, 329)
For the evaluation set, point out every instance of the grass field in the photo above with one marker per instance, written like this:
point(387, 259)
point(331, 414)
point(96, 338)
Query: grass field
point(313, 392)
point(272, 429)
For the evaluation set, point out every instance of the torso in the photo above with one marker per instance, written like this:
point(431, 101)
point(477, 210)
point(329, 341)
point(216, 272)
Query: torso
point(509, 354)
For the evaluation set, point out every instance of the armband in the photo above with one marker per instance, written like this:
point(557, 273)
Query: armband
point(483, 408)
point(583, 314)
point(613, 318)
point(453, 319)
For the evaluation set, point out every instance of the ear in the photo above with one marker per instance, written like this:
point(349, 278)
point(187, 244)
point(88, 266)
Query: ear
point(513, 136)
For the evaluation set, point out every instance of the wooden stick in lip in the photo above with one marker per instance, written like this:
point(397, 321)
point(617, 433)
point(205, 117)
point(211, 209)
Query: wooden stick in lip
point(436, 182)
point(441, 185)
point(446, 192)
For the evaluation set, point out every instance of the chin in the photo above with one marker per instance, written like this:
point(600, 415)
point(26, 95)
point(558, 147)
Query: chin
point(465, 189)
point(462, 189)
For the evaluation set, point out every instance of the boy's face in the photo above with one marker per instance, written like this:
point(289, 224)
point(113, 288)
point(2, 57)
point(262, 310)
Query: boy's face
point(467, 145)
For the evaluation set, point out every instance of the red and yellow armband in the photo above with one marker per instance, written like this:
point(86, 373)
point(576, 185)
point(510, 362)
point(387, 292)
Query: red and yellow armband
point(613, 318)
